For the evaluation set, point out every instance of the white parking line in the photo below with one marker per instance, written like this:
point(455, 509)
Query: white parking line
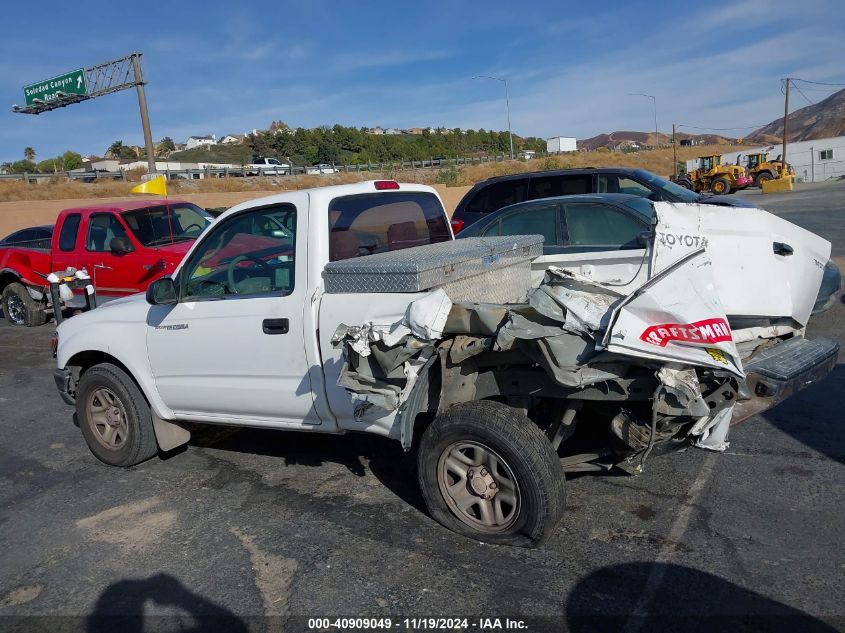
point(679, 527)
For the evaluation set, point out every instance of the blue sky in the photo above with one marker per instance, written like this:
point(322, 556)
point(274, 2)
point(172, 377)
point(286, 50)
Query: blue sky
point(230, 67)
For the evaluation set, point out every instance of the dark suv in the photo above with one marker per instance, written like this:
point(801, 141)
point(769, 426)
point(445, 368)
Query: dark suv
point(494, 193)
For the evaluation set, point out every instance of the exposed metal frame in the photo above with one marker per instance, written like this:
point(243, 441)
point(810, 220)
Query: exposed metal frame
point(103, 79)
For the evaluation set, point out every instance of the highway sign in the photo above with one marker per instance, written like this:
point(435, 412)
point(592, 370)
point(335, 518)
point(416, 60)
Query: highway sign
point(72, 83)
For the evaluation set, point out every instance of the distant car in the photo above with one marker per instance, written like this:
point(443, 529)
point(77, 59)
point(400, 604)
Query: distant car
point(612, 226)
point(31, 237)
point(494, 193)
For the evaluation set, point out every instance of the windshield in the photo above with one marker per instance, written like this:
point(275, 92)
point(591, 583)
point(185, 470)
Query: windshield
point(167, 224)
point(685, 195)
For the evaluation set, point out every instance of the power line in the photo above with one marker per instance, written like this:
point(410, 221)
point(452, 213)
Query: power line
point(818, 83)
point(803, 95)
point(722, 129)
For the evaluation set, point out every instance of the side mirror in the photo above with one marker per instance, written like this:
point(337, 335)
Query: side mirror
point(120, 246)
point(162, 292)
point(644, 238)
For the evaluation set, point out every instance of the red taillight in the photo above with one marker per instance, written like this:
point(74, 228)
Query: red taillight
point(457, 225)
point(381, 185)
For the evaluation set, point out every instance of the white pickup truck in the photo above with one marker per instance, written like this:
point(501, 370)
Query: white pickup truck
point(500, 399)
point(267, 167)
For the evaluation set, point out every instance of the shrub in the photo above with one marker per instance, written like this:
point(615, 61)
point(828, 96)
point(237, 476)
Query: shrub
point(447, 176)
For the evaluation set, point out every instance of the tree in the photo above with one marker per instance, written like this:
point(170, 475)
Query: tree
point(167, 145)
point(115, 149)
point(71, 160)
point(29, 154)
point(23, 166)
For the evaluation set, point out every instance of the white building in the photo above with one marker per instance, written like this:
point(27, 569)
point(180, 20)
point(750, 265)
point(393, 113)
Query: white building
point(558, 144)
point(200, 141)
point(233, 139)
point(813, 161)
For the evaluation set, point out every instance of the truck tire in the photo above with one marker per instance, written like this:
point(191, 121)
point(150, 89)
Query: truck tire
point(763, 176)
point(720, 186)
point(114, 417)
point(487, 472)
point(20, 308)
point(686, 183)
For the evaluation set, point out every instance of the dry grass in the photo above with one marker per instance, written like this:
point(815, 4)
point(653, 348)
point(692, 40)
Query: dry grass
point(61, 189)
point(658, 161)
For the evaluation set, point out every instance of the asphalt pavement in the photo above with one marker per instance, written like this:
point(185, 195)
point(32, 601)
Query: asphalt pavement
point(245, 524)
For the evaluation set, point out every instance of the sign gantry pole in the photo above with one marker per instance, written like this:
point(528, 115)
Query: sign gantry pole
point(90, 83)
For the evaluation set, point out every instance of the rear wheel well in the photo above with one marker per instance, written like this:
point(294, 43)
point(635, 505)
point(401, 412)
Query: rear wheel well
point(7, 277)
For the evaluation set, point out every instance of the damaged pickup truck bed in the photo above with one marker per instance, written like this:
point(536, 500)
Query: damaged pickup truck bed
point(350, 308)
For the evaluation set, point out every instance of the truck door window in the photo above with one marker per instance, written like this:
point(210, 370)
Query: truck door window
point(600, 225)
point(376, 223)
point(498, 195)
point(252, 253)
point(549, 186)
point(532, 220)
point(102, 229)
point(70, 229)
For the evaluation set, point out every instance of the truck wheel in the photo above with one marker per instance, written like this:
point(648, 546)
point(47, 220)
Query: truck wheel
point(20, 308)
point(487, 472)
point(685, 183)
point(114, 417)
point(720, 186)
point(762, 177)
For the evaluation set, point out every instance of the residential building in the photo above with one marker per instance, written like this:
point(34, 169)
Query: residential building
point(200, 141)
point(375, 130)
point(233, 139)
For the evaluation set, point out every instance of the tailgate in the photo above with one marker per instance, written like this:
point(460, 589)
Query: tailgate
point(762, 265)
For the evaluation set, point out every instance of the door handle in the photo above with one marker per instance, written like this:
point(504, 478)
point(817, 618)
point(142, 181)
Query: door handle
point(275, 326)
point(782, 248)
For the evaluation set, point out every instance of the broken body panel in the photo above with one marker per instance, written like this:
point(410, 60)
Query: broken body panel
point(656, 361)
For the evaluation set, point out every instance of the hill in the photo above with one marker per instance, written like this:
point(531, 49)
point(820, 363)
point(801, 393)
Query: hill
point(824, 119)
point(621, 139)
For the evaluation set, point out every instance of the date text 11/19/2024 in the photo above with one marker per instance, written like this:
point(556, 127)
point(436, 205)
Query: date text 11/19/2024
point(417, 624)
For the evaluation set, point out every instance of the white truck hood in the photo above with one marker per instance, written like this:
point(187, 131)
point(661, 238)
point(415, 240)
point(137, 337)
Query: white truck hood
point(762, 265)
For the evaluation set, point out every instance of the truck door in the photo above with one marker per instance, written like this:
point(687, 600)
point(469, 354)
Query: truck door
point(232, 348)
point(115, 274)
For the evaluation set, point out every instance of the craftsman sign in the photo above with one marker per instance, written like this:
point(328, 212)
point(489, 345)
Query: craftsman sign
point(706, 331)
point(72, 83)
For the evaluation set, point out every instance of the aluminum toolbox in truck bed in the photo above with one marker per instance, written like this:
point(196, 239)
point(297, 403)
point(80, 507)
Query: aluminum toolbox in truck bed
point(483, 269)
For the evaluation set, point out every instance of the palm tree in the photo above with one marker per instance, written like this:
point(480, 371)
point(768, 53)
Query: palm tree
point(116, 149)
point(29, 153)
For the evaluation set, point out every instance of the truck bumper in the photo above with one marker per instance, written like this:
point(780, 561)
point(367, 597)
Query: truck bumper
point(63, 380)
point(779, 372)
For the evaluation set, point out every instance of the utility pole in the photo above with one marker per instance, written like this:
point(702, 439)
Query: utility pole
point(785, 122)
point(145, 118)
point(674, 152)
point(507, 104)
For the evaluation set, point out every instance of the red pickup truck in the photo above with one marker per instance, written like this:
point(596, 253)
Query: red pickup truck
point(123, 246)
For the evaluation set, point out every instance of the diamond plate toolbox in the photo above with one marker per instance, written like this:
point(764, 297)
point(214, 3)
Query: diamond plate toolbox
point(471, 268)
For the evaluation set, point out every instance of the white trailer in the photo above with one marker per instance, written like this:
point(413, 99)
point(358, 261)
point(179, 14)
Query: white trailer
point(558, 144)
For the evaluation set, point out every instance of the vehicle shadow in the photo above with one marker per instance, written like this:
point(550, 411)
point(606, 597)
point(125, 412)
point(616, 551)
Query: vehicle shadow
point(384, 458)
point(814, 416)
point(121, 608)
point(653, 597)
